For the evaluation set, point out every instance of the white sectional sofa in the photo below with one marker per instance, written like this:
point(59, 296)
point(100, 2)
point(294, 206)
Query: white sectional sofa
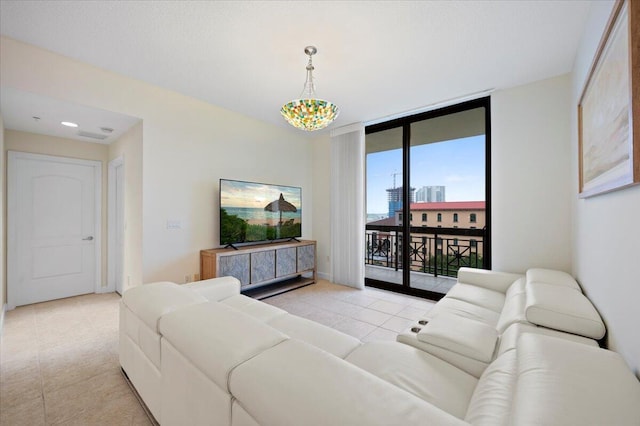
point(204, 354)
point(485, 312)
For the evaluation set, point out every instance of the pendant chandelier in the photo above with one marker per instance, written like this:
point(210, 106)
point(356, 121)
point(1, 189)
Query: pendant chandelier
point(309, 113)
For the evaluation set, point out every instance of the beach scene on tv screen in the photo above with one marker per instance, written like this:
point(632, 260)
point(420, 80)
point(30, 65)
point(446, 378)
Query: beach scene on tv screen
point(252, 212)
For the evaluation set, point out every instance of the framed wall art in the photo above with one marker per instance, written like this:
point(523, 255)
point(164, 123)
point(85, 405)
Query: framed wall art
point(609, 108)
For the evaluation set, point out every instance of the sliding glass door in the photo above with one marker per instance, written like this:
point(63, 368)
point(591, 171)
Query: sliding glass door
point(384, 206)
point(428, 200)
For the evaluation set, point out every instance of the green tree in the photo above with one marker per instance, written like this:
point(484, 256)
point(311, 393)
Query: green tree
point(232, 228)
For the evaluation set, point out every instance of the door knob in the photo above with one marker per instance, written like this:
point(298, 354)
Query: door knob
point(87, 239)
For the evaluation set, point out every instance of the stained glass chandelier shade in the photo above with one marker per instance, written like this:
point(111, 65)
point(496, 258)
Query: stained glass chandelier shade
point(309, 113)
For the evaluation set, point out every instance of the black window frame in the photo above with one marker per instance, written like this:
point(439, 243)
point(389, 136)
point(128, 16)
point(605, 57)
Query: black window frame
point(405, 124)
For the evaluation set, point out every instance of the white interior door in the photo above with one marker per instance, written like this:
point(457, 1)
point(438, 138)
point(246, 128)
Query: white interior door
point(53, 227)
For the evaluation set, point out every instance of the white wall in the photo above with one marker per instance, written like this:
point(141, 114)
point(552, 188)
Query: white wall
point(606, 229)
point(322, 202)
point(188, 145)
point(532, 176)
point(129, 147)
point(3, 243)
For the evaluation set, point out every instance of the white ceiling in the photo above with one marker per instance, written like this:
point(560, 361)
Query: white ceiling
point(375, 58)
point(20, 108)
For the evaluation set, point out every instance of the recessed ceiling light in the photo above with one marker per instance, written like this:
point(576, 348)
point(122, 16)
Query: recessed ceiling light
point(68, 124)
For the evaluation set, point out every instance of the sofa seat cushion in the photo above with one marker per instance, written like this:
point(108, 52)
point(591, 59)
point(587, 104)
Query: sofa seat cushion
point(509, 339)
point(259, 310)
point(564, 309)
point(480, 296)
point(417, 372)
point(550, 276)
point(216, 338)
point(464, 309)
point(490, 403)
point(464, 336)
point(561, 382)
point(313, 333)
point(466, 364)
point(150, 302)
point(294, 383)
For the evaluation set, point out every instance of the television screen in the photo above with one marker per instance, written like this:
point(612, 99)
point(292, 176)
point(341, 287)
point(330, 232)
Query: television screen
point(253, 212)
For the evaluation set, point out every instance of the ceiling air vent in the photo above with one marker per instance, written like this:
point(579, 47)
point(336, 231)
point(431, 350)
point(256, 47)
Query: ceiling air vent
point(92, 135)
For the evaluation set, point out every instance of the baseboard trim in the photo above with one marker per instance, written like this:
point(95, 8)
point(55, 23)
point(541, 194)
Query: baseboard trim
point(323, 276)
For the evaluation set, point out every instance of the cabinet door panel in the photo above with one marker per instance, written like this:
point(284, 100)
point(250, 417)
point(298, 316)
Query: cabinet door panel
point(306, 257)
point(235, 266)
point(285, 261)
point(263, 266)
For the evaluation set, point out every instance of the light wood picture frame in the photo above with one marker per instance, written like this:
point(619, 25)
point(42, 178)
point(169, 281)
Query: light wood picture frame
point(609, 108)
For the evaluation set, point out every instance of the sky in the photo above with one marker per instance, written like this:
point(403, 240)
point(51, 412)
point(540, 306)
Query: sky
point(458, 165)
point(256, 195)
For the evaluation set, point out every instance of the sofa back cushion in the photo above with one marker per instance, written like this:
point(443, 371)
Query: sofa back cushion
point(512, 312)
point(490, 403)
point(562, 308)
point(216, 289)
point(550, 276)
point(561, 382)
point(315, 334)
point(215, 338)
point(294, 383)
point(150, 302)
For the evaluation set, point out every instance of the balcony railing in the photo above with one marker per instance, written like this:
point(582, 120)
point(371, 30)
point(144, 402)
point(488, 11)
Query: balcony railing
point(436, 251)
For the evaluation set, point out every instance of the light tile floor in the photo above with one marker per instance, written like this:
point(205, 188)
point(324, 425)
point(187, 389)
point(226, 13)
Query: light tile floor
point(59, 365)
point(368, 314)
point(59, 360)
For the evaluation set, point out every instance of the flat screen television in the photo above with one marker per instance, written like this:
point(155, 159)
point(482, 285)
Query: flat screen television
point(252, 212)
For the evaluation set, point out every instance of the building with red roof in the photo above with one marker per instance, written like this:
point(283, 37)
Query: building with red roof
point(447, 214)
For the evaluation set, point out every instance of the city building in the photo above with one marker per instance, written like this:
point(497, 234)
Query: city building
point(430, 194)
point(394, 197)
point(452, 214)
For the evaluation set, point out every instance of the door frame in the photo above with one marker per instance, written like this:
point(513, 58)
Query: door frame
point(405, 124)
point(12, 157)
point(113, 250)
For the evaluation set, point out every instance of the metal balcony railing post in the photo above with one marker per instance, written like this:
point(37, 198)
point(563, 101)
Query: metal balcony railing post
point(395, 250)
point(435, 257)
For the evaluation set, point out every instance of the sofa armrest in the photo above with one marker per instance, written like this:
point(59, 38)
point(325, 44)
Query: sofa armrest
point(216, 289)
point(460, 335)
point(492, 280)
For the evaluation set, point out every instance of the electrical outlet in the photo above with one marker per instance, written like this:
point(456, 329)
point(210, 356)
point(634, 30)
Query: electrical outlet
point(187, 278)
point(196, 277)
